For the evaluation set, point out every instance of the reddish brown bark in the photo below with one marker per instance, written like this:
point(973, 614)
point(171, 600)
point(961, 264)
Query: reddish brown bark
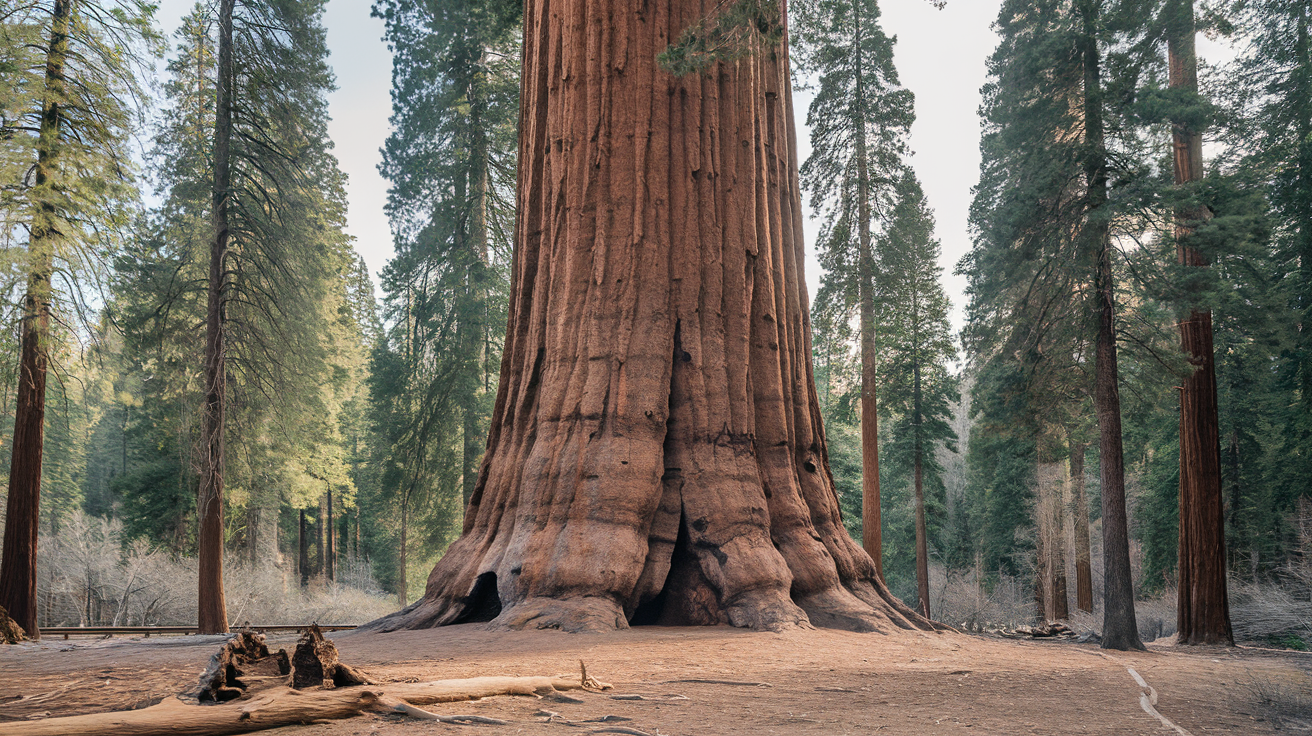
point(212, 614)
point(1080, 514)
point(656, 452)
point(1120, 630)
point(303, 549)
point(1057, 565)
point(1203, 609)
point(330, 551)
point(23, 505)
point(871, 521)
point(922, 532)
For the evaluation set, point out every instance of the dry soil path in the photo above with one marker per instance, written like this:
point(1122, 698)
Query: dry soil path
point(816, 682)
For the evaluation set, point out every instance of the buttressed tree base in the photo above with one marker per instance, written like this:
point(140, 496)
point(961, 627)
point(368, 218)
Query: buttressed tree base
point(656, 453)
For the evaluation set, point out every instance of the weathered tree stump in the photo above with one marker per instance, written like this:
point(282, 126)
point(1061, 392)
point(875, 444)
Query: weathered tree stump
point(10, 631)
point(314, 664)
point(234, 668)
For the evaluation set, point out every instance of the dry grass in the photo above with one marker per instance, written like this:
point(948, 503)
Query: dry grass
point(1285, 703)
point(88, 576)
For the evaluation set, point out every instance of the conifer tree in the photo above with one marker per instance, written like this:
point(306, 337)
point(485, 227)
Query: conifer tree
point(451, 166)
point(915, 351)
point(859, 119)
point(1042, 274)
point(273, 249)
point(1203, 608)
point(71, 97)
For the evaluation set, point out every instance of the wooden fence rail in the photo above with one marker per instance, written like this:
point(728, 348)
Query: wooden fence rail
point(68, 631)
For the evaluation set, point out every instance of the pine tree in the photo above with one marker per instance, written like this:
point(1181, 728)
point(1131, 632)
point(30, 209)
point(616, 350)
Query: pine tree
point(452, 172)
point(1026, 331)
point(859, 119)
point(915, 351)
point(1043, 262)
point(70, 99)
point(1203, 606)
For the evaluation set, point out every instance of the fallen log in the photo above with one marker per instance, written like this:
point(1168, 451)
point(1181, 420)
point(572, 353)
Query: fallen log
point(283, 706)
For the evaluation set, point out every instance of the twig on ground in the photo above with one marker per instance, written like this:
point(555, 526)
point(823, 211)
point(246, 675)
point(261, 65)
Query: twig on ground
point(723, 682)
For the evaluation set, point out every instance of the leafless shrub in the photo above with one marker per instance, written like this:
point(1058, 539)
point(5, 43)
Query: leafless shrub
point(967, 601)
point(1260, 611)
point(1284, 702)
point(1281, 606)
point(89, 577)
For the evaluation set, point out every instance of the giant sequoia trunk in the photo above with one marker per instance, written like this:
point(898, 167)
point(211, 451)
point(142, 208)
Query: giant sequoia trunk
point(656, 453)
point(23, 505)
point(1203, 610)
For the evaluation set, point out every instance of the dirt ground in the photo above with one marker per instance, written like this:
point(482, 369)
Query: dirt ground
point(810, 682)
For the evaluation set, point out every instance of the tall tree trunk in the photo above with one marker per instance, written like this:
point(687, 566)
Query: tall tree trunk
point(871, 522)
point(330, 552)
point(1203, 609)
point(1120, 630)
point(1042, 537)
point(212, 613)
point(252, 533)
point(303, 551)
point(401, 590)
point(656, 449)
point(320, 546)
point(922, 531)
point(18, 574)
point(1057, 556)
point(1080, 522)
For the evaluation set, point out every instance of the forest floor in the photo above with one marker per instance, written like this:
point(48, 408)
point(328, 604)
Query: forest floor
point(812, 682)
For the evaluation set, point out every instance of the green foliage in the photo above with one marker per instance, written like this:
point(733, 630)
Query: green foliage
point(299, 303)
point(451, 164)
point(731, 31)
point(917, 390)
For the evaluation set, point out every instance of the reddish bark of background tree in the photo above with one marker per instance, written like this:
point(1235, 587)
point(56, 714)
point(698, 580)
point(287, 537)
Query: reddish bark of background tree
point(330, 550)
point(1080, 514)
point(1120, 630)
point(1203, 609)
point(871, 523)
point(922, 531)
point(23, 506)
point(211, 611)
point(656, 452)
